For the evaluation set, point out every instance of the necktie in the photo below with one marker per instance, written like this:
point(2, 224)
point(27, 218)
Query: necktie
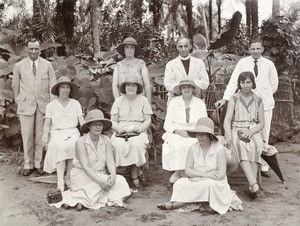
point(34, 68)
point(255, 68)
point(187, 117)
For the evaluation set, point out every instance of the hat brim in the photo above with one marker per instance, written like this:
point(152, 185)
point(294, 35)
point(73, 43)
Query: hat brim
point(120, 49)
point(73, 92)
point(106, 125)
point(177, 89)
point(193, 134)
point(139, 89)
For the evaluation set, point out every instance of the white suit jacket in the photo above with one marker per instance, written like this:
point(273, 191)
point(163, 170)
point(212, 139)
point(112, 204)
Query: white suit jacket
point(33, 91)
point(175, 72)
point(266, 80)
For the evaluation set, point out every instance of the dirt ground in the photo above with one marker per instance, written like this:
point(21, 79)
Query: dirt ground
point(22, 202)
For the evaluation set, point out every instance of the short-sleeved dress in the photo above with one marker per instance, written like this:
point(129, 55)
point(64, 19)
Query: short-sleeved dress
point(63, 132)
point(86, 191)
point(217, 193)
point(131, 151)
point(246, 117)
point(135, 68)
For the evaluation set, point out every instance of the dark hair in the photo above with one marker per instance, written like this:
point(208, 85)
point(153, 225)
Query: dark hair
point(32, 40)
point(256, 40)
point(243, 76)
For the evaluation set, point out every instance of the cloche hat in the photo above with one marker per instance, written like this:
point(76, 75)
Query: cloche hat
point(131, 79)
point(129, 41)
point(186, 81)
point(93, 116)
point(64, 80)
point(204, 125)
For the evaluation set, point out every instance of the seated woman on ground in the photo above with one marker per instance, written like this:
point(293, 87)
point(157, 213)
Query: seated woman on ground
point(60, 130)
point(131, 112)
point(206, 174)
point(243, 126)
point(94, 183)
point(130, 65)
point(182, 113)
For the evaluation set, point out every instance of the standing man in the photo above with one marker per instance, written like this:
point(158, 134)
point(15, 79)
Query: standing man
point(266, 85)
point(33, 78)
point(185, 65)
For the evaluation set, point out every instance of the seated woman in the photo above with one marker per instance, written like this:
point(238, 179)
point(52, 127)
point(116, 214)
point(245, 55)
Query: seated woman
point(60, 130)
point(182, 114)
point(131, 112)
point(243, 126)
point(130, 65)
point(94, 182)
point(206, 171)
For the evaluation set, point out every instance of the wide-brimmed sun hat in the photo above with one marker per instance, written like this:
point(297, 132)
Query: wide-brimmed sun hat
point(204, 125)
point(64, 80)
point(186, 81)
point(129, 41)
point(131, 79)
point(94, 116)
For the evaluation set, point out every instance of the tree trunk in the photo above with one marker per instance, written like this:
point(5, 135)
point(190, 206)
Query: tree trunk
point(210, 19)
point(219, 3)
point(276, 8)
point(189, 11)
point(248, 17)
point(95, 26)
point(155, 7)
point(254, 17)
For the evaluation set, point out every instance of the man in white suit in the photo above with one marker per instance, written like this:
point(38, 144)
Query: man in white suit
point(185, 65)
point(266, 80)
point(33, 78)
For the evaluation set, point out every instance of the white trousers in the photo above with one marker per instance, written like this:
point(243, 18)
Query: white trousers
point(266, 132)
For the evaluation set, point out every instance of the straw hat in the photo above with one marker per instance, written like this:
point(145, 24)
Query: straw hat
point(131, 79)
point(204, 125)
point(129, 41)
point(64, 80)
point(186, 81)
point(93, 116)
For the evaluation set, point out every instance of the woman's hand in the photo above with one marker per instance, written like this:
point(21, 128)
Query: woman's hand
point(247, 134)
point(181, 133)
point(228, 139)
point(45, 140)
point(120, 130)
point(138, 129)
point(212, 175)
point(105, 184)
point(112, 180)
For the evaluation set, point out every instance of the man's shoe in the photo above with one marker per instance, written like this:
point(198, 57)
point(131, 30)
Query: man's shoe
point(39, 171)
point(26, 172)
point(266, 174)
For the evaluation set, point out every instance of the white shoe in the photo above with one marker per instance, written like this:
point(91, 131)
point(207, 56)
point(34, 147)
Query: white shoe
point(175, 176)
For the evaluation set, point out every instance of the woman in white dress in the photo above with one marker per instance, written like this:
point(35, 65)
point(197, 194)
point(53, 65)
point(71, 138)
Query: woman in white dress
point(182, 114)
point(60, 130)
point(131, 112)
point(94, 183)
point(206, 171)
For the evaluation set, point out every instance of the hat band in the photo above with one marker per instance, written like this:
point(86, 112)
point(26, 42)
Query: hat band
point(204, 129)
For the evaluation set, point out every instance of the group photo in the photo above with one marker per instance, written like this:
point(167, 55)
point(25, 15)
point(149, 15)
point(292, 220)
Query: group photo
point(149, 112)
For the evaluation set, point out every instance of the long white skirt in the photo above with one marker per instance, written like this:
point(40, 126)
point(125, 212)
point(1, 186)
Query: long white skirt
point(175, 150)
point(217, 193)
point(61, 146)
point(88, 193)
point(130, 152)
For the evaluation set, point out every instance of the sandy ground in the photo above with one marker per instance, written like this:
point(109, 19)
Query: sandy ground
point(22, 202)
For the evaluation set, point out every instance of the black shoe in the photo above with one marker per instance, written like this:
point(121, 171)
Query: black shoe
point(266, 174)
point(26, 172)
point(39, 171)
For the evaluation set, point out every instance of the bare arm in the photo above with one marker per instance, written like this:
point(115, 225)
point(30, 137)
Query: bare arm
point(144, 125)
point(189, 165)
point(115, 83)
point(46, 131)
point(228, 120)
point(146, 80)
point(115, 123)
point(110, 162)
